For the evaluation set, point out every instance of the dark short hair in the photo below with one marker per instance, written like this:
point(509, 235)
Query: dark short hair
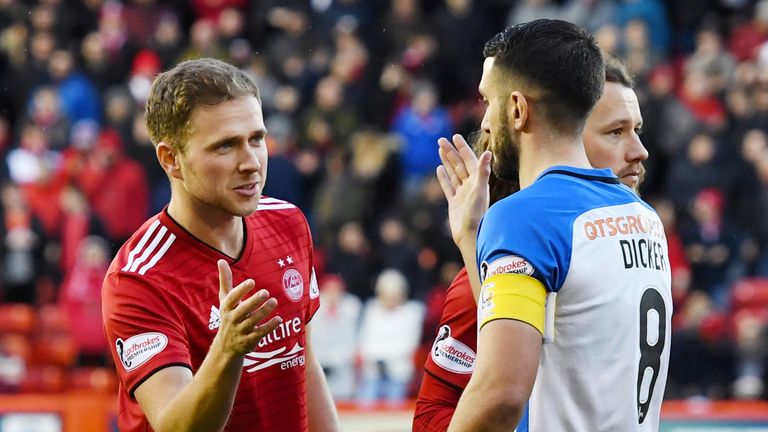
point(616, 72)
point(176, 93)
point(558, 59)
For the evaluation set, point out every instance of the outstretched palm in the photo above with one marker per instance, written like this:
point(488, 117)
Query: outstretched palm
point(464, 180)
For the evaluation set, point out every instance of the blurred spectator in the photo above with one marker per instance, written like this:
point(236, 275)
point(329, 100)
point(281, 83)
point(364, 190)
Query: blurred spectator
point(700, 334)
point(711, 60)
point(45, 112)
point(751, 328)
point(339, 199)
point(327, 123)
point(144, 67)
point(123, 206)
point(206, 9)
point(398, 24)
point(712, 246)
point(375, 167)
point(678, 260)
point(393, 250)
point(389, 335)
point(334, 336)
point(105, 71)
point(289, 187)
point(119, 110)
point(349, 257)
point(167, 39)
point(78, 222)
point(641, 56)
point(591, 14)
point(32, 161)
point(699, 97)
point(142, 150)
point(420, 125)
point(81, 299)
point(653, 14)
point(748, 36)
point(12, 363)
point(529, 10)
point(698, 170)
point(457, 82)
point(79, 97)
point(21, 249)
point(204, 41)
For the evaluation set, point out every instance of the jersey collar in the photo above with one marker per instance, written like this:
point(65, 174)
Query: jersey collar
point(604, 175)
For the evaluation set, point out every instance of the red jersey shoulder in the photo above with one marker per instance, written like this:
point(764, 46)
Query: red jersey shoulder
point(453, 353)
point(271, 207)
point(144, 250)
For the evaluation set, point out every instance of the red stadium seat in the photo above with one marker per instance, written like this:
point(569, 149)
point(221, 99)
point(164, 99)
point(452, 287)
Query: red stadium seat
point(55, 349)
point(17, 318)
point(44, 379)
point(750, 293)
point(100, 379)
point(16, 345)
point(52, 319)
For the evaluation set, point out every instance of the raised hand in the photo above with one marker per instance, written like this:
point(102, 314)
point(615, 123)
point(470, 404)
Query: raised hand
point(240, 330)
point(464, 180)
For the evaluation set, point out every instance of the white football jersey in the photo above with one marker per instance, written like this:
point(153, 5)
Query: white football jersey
point(601, 253)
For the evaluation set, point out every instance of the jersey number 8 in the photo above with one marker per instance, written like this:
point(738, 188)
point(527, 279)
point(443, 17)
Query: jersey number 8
point(653, 328)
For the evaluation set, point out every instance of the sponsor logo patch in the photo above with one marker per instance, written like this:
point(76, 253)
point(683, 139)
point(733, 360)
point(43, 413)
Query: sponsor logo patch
point(293, 284)
point(137, 350)
point(452, 355)
point(509, 264)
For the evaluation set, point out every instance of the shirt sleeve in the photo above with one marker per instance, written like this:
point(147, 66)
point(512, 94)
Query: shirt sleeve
point(435, 405)
point(453, 353)
point(520, 236)
point(142, 329)
point(314, 289)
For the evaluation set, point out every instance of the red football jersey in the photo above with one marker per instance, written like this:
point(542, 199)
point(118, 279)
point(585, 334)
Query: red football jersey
point(451, 360)
point(160, 307)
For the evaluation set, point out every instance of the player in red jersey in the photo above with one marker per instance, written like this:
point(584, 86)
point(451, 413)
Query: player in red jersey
point(188, 299)
point(611, 141)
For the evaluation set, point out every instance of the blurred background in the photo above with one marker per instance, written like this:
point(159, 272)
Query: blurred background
point(355, 94)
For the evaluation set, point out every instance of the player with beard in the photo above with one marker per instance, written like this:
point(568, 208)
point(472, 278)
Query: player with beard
point(208, 304)
point(611, 140)
point(574, 284)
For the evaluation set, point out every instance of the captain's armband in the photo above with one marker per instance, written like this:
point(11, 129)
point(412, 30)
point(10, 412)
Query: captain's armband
point(512, 296)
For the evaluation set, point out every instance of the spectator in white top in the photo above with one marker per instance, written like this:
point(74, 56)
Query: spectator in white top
point(389, 336)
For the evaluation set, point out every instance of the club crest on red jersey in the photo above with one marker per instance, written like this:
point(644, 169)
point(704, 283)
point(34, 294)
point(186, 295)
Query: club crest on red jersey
point(293, 284)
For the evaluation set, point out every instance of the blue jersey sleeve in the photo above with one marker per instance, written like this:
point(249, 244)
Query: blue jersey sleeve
point(519, 235)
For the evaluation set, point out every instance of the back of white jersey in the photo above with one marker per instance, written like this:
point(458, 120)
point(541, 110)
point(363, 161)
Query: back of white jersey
point(602, 253)
point(612, 327)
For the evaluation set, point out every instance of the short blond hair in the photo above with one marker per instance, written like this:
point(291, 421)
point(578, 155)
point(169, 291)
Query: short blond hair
point(176, 92)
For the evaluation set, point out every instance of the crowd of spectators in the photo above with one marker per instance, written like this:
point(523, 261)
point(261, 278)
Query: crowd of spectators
point(355, 94)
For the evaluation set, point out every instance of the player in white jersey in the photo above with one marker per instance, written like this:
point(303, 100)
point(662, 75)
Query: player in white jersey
point(574, 259)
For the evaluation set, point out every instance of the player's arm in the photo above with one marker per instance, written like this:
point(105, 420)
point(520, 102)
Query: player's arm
point(511, 328)
point(435, 405)
point(464, 180)
point(173, 399)
point(320, 407)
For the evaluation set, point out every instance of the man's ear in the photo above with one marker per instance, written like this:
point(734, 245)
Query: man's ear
point(168, 157)
point(517, 110)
